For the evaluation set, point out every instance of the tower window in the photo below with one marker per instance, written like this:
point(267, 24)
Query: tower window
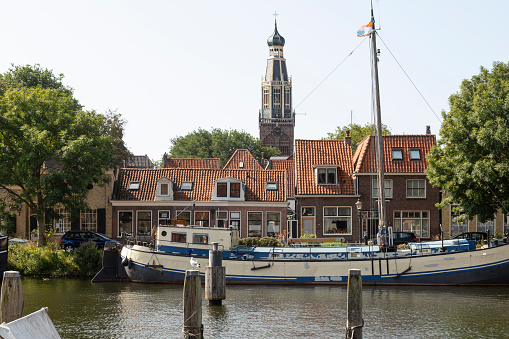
point(265, 98)
point(287, 97)
point(277, 97)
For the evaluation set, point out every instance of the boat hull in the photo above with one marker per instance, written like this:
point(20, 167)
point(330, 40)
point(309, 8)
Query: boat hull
point(481, 267)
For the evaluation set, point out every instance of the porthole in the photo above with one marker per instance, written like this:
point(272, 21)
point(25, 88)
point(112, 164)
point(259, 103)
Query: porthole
point(163, 233)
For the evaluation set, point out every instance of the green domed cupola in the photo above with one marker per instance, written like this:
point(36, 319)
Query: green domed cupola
point(276, 39)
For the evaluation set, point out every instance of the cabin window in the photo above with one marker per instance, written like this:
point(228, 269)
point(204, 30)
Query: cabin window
point(388, 188)
point(125, 223)
point(222, 189)
point(134, 185)
point(222, 218)
point(144, 223)
point(337, 220)
point(397, 154)
point(89, 220)
point(235, 220)
point(412, 221)
point(184, 217)
point(458, 225)
point(200, 238)
point(273, 224)
point(326, 176)
point(416, 188)
point(201, 219)
point(271, 186)
point(178, 237)
point(235, 189)
point(415, 154)
point(164, 218)
point(254, 224)
point(186, 186)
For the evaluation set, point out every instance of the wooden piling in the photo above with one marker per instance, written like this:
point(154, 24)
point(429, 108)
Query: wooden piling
point(354, 322)
point(192, 305)
point(215, 277)
point(11, 297)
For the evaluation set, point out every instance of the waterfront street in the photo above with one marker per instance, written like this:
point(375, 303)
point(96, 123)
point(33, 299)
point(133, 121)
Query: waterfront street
point(80, 309)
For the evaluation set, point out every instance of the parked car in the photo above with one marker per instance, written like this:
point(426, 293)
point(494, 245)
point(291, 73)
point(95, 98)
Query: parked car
point(479, 237)
point(74, 239)
point(403, 237)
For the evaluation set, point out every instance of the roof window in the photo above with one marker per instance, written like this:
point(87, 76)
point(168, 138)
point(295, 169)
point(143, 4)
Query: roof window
point(134, 185)
point(397, 154)
point(186, 186)
point(415, 154)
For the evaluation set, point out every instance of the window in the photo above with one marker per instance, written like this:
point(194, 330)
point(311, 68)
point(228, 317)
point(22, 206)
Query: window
point(273, 224)
point(222, 218)
point(222, 189)
point(164, 189)
point(506, 223)
point(89, 220)
point(186, 186)
point(201, 219)
point(337, 220)
point(288, 99)
point(326, 176)
point(134, 185)
point(199, 238)
point(235, 189)
point(415, 154)
point(164, 217)
point(458, 225)
point(63, 224)
point(308, 211)
point(412, 221)
point(178, 237)
point(266, 97)
point(487, 226)
point(254, 224)
point(125, 223)
point(397, 154)
point(235, 220)
point(184, 216)
point(277, 97)
point(144, 223)
point(271, 186)
point(388, 188)
point(416, 188)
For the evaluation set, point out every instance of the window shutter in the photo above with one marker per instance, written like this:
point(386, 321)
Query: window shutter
point(101, 220)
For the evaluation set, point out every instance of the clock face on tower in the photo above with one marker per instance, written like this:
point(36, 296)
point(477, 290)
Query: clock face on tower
point(277, 130)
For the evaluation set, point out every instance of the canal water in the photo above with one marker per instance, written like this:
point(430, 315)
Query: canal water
point(80, 309)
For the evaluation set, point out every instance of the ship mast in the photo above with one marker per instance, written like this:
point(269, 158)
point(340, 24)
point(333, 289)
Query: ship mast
point(379, 136)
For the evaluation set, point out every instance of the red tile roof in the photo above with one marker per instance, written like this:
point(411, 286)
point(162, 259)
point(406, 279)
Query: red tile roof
point(309, 153)
point(203, 183)
point(365, 155)
point(212, 163)
point(289, 167)
point(245, 158)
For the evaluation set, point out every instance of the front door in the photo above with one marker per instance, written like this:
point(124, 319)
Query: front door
point(308, 225)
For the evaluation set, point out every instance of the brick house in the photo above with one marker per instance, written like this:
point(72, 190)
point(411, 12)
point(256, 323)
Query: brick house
point(410, 198)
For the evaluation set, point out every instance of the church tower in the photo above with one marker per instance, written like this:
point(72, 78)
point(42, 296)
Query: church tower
point(277, 119)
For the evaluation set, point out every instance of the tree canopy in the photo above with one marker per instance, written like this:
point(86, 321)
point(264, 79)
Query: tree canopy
point(50, 150)
point(471, 159)
point(218, 143)
point(357, 133)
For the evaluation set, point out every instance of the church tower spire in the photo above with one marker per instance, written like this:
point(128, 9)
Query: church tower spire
point(276, 118)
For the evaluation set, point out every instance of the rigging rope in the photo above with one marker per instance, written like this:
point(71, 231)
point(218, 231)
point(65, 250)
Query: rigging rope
point(321, 82)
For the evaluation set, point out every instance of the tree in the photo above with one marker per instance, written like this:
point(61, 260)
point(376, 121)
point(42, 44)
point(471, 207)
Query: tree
point(470, 161)
point(50, 152)
point(357, 132)
point(115, 125)
point(218, 144)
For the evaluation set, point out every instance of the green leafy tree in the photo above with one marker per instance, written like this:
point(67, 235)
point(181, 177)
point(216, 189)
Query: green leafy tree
point(115, 125)
point(50, 151)
point(471, 159)
point(357, 133)
point(218, 144)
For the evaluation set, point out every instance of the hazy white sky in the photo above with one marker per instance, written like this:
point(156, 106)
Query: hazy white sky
point(170, 67)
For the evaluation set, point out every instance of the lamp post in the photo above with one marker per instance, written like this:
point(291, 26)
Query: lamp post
point(358, 204)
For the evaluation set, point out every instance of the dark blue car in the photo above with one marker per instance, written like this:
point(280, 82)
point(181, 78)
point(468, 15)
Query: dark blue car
point(74, 239)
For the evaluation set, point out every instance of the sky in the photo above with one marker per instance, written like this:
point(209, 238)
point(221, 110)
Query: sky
point(171, 67)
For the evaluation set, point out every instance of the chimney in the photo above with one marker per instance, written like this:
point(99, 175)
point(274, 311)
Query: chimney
point(348, 138)
point(428, 129)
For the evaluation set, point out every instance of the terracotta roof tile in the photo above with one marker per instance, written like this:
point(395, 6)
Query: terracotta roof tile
point(289, 167)
point(365, 155)
point(309, 153)
point(203, 183)
point(212, 163)
point(242, 159)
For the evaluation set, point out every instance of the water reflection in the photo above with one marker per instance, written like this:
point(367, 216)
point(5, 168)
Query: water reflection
point(80, 309)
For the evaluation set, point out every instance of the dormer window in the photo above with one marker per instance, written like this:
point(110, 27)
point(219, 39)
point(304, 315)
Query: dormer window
point(134, 185)
point(186, 186)
point(415, 154)
point(228, 189)
point(271, 186)
point(164, 189)
point(397, 154)
point(326, 175)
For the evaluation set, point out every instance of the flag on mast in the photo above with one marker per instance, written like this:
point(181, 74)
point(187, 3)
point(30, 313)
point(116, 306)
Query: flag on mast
point(365, 30)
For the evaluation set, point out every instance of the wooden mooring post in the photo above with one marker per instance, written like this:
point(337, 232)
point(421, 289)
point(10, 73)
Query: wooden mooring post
point(11, 297)
point(354, 322)
point(192, 306)
point(215, 277)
